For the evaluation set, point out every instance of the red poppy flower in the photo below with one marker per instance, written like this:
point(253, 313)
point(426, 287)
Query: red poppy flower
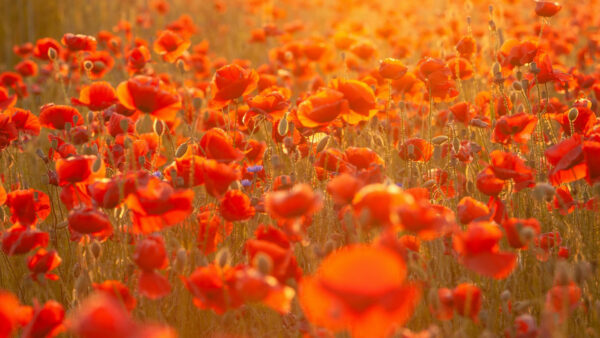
point(170, 45)
point(462, 112)
point(273, 103)
point(466, 46)
point(416, 149)
point(78, 42)
point(90, 221)
point(275, 244)
point(362, 289)
point(137, 59)
point(42, 46)
point(442, 307)
point(27, 207)
point(510, 166)
point(236, 206)
point(567, 157)
point(322, 108)
point(479, 250)
point(299, 201)
point(80, 168)
point(18, 240)
point(547, 8)
point(97, 96)
point(392, 69)
point(47, 321)
point(186, 171)
point(461, 68)
point(6, 101)
point(149, 255)
point(470, 209)
point(25, 121)
point(591, 155)
point(8, 131)
point(426, 220)
point(102, 63)
point(515, 54)
point(42, 263)
point(563, 299)
point(212, 230)
point(156, 205)
point(27, 68)
point(467, 300)
point(231, 82)
point(520, 231)
point(56, 116)
point(218, 176)
point(12, 314)
point(217, 145)
point(376, 204)
point(516, 128)
point(488, 183)
point(149, 95)
point(585, 120)
point(118, 291)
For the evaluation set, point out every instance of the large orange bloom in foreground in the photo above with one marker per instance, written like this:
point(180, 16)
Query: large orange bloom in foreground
point(361, 289)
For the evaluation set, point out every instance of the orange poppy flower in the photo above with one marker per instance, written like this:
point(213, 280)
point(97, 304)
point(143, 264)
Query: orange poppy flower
point(343, 187)
point(156, 205)
point(437, 77)
point(416, 149)
point(170, 45)
point(275, 244)
point(462, 112)
point(236, 206)
point(360, 97)
point(79, 42)
point(97, 96)
point(18, 240)
point(27, 68)
point(231, 82)
point(56, 116)
point(149, 255)
point(479, 250)
point(426, 220)
point(27, 207)
point(90, 221)
point(461, 68)
point(272, 103)
point(25, 121)
point(470, 209)
point(217, 145)
point(375, 204)
point(149, 95)
point(13, 315)
point(547, 8)
point(488, 183)
point(362, 289)
point(46, 321)
point(392, 69)
point(297, 202)
point(510, 166)
point(322, 108)
point(467, 300)
point(186, 171)
point(118, 291)
point(42, 263)
point(515, 53)
point(466, 47)
point(516, 128)
point(364, 49)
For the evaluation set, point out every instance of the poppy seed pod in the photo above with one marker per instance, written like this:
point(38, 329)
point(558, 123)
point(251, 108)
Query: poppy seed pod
point(573, 113)
point(158, 127)
point(52, 54)
point(88, 65)
point(263, 262)
point(223, 257)
point(283, 126)
point(439, 140)
point(181, 150)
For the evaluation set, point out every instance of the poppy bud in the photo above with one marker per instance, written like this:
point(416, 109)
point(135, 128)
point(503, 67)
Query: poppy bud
point(82, 284)
point(439, 140)
point(496, 68)
point(124, 124)
point(573, 113)
point(181, 65)
point(505, 295)
point(479, 123)
point(52, 54)
point(263, 263)
point(68, 126)
point(517, 86)
point(180, 260)
point(322, 144)
point(534, 68)
point(159, 127)
point(97, 164)
point(181, 150)
point(88, 65)
point(141, 160)
point(525, 83)
point(283, 126)
point(223, 257)
point(96, 249)
point(428, 184)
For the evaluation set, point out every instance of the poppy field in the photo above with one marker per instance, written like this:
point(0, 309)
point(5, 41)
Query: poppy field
point(299, 168)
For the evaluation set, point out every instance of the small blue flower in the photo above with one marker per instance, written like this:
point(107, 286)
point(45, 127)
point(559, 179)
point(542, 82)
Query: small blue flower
point(157, 174)
point(399, 184)
point(246, 183)
point(254, 168)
